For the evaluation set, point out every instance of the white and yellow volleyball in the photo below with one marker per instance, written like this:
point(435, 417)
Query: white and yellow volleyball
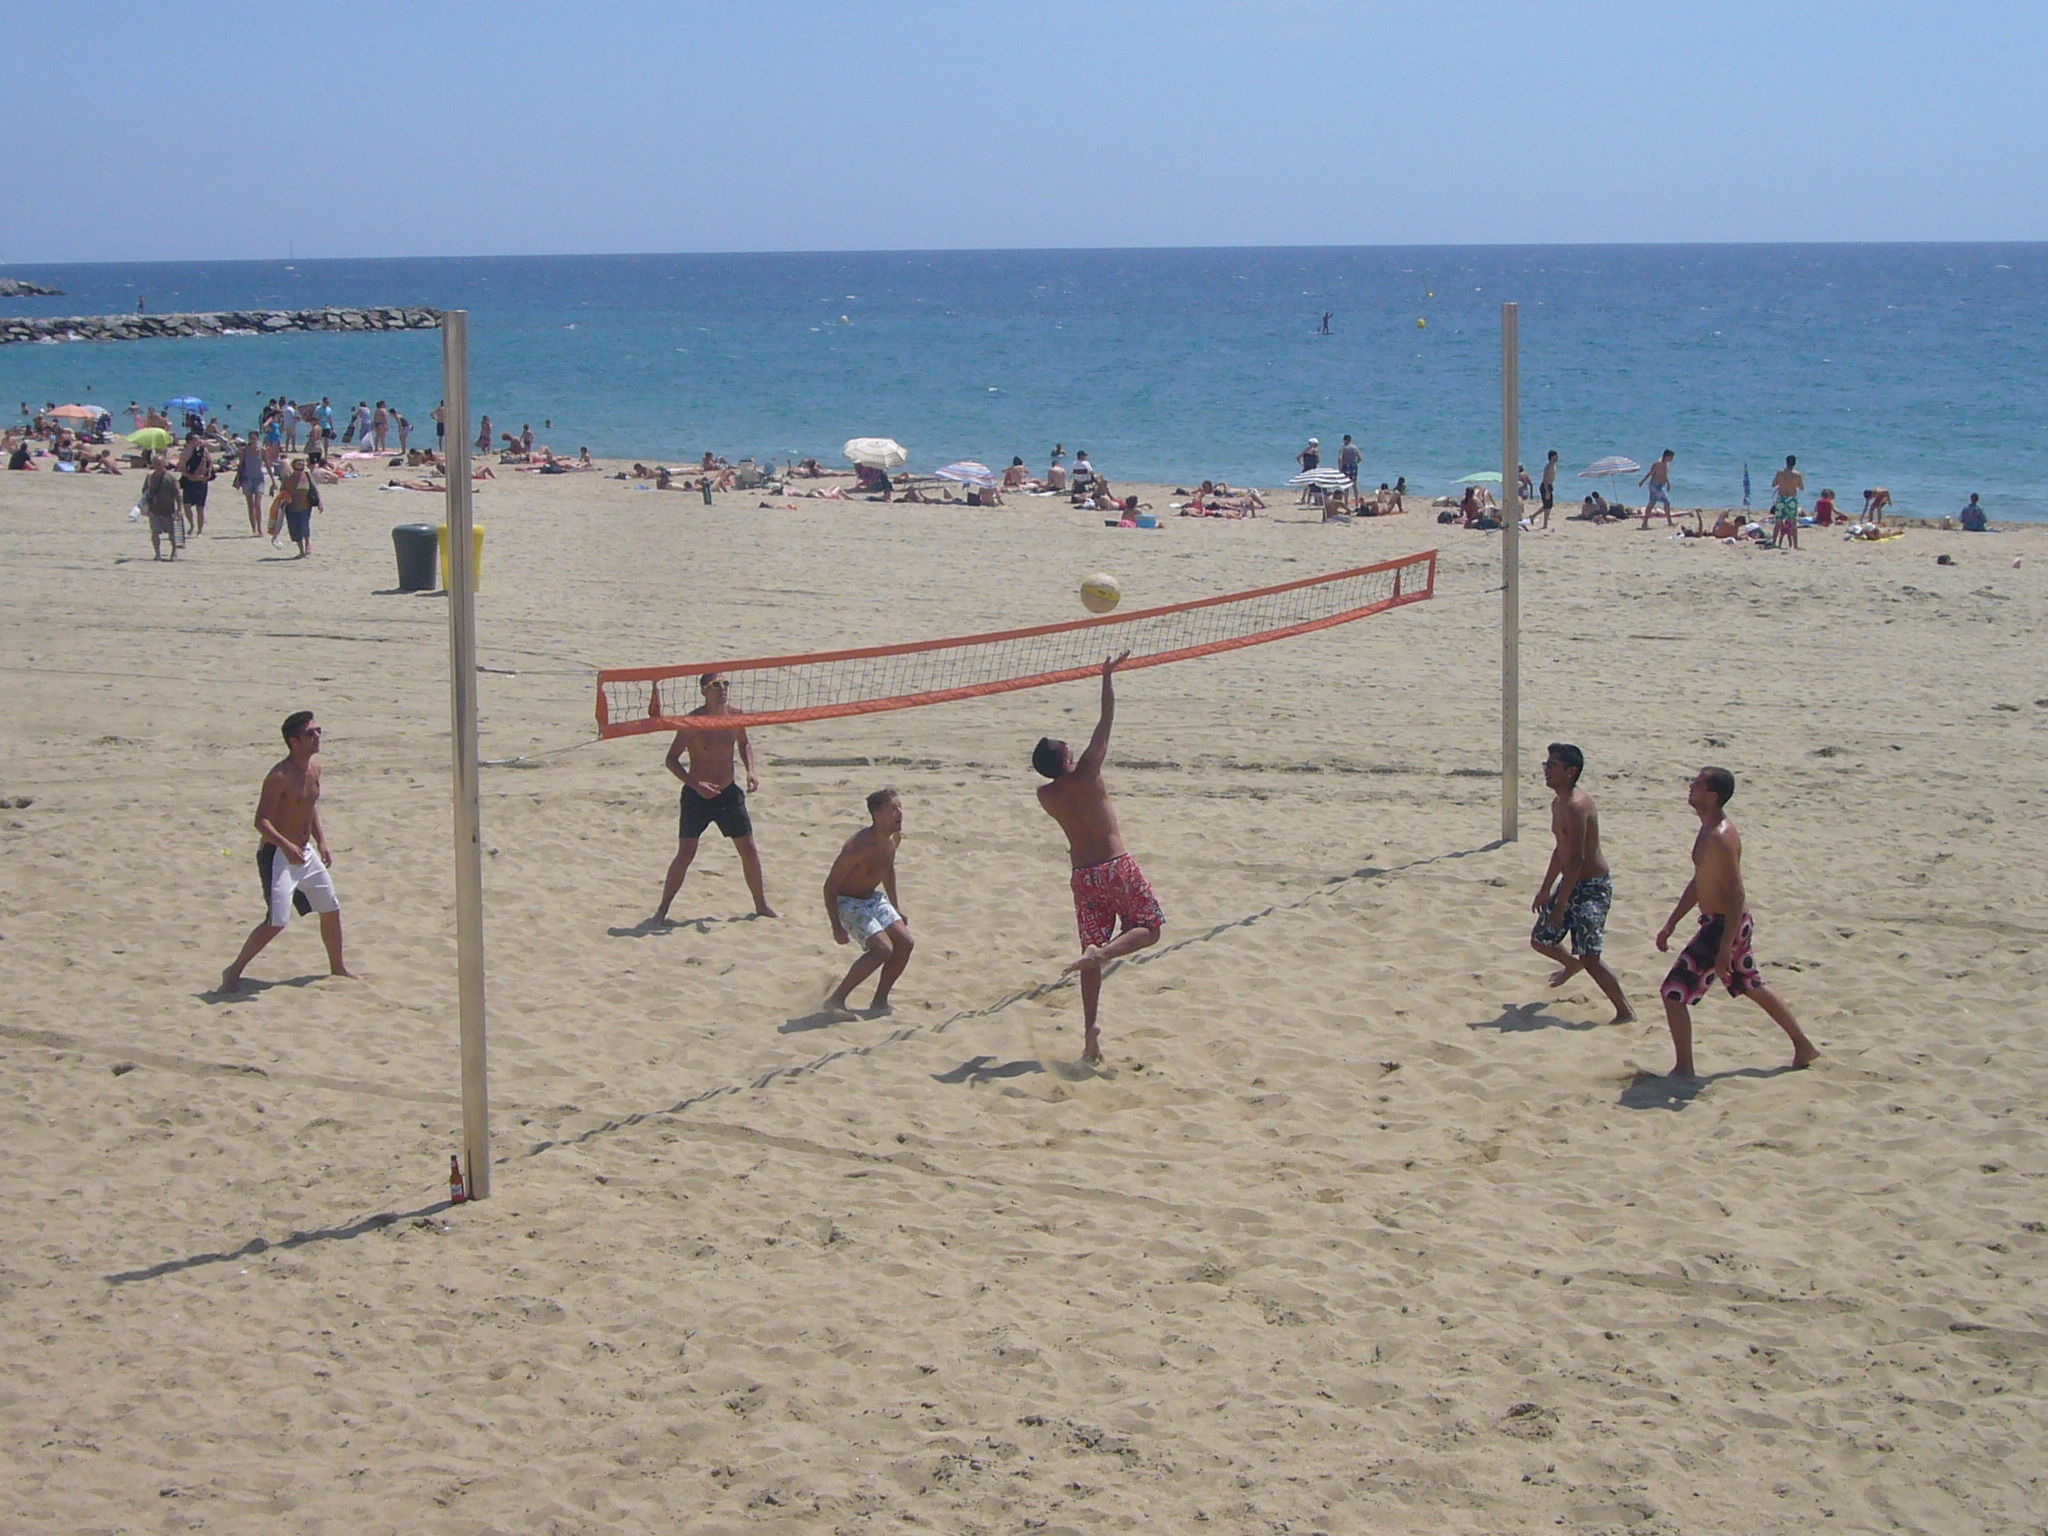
point(1100, 593)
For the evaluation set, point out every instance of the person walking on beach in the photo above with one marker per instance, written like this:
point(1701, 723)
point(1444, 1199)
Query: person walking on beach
point(1578, 890)
point(1108, 886)
point(1549, 486)
point(1721, 946)
point(1348, 460)
point(1658, 477)
point(711, 794)
point(860, 900)
point(195, 473)
point(160, 503)
point(301, 495)
point(292, 860)
point(483, 436)
point(251, 482)
point(1788, 483)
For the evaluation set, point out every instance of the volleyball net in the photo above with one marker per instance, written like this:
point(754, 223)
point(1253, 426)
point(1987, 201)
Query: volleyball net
point(823, 685)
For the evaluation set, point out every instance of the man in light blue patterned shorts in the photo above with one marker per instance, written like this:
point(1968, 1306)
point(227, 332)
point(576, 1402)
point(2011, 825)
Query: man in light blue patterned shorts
point(860, 899)
point(1577, 889)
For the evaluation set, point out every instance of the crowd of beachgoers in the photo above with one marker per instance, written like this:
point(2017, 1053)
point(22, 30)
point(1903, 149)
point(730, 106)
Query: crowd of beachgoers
point(296, 445)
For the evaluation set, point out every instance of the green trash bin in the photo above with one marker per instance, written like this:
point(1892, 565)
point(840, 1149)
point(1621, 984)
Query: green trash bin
point(419, 556)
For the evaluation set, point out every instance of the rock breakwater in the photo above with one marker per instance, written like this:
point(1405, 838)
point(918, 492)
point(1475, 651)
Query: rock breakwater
point(239, 322)
point(16, 288)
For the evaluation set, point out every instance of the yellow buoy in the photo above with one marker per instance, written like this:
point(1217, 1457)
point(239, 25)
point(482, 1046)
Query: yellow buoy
point(1421, 324)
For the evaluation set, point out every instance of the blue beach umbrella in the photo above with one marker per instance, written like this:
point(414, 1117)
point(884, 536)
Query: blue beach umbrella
point(185, 405)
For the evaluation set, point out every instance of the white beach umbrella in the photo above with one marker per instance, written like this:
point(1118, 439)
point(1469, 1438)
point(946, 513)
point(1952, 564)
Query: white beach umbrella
point(968, 472)
point(876, 452)
point(1612, 465)
point(1323, 479)
point(1482, 477)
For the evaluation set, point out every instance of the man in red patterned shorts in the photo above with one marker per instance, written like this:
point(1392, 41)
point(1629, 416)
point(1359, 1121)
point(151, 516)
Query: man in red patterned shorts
point(1720, 947)
point(1108, 886)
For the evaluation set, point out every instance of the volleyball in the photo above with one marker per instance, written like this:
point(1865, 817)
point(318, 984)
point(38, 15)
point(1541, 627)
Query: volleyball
point(1100, 593)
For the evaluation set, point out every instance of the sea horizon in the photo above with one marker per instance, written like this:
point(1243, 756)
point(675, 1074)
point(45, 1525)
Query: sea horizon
point(1902, 364)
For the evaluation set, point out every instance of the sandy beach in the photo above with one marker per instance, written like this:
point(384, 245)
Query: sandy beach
point(1361, 1229)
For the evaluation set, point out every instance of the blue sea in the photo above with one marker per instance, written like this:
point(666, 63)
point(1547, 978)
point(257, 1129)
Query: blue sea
point(1917, 367)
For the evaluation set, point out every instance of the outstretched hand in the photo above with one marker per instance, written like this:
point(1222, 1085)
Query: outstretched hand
point(1111, 663)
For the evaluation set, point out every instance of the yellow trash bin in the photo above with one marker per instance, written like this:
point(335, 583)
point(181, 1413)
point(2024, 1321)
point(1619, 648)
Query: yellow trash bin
point(476, 561)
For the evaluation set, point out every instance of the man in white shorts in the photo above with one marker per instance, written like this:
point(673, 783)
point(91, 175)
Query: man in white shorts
point(293, 859)
point(860, 899)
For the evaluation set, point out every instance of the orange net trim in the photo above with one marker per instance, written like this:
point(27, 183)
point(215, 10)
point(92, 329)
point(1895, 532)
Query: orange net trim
point(824, 685)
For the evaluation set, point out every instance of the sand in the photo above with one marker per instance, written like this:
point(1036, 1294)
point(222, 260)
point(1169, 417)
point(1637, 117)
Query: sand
point(1361, 1229)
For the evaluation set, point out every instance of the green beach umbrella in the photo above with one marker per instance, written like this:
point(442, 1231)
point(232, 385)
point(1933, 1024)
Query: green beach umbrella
point(1484, 477)
point(150, 438)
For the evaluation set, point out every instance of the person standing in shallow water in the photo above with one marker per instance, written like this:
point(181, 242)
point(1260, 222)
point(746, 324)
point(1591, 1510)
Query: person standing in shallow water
point(1721, 946)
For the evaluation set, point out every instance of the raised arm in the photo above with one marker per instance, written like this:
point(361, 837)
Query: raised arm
point(1098, 744)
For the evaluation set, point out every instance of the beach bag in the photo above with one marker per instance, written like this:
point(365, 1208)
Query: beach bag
point(276, 513)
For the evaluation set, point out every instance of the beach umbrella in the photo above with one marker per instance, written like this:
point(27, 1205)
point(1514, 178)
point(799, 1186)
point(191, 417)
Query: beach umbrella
point(150, 438)
point(1483, 477)
point(968, 472)
point(1613, 464)
point(187, 405)
point(876, 452)
point(1323, 479)
point(77, 413)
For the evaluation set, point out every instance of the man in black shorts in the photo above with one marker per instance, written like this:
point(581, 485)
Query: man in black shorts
point(1549, 487)
point(712, 797)
point(195, 470)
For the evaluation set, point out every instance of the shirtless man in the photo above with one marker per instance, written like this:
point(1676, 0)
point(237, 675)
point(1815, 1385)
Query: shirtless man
point(1549, 486)
point(711, 795)
point(1659, 477)
point(1721, 946)
point(1107, 883)
point(1788, 483)
point(860, 899)
point(293, 859)
point(1577, 890)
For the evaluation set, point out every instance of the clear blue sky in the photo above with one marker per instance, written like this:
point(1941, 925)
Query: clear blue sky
point(206, 131)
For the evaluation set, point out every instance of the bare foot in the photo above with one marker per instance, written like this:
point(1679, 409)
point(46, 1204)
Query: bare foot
point(762, 909)
point(1805, 1055)
point(880, 1008)
point(836, 1010)
point(661, 920)
point(1624, 1015)
point(230, 982)
point(1684, 1071)
point(343, 971)
point(1091, 959)
point(1091, 1049)
point(1559, 977)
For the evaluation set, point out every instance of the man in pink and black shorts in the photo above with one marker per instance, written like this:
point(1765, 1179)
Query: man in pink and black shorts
point(1109, 888)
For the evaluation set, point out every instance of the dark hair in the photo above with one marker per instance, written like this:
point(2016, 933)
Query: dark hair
point(882, 797)
point(1047, 758)
point(708, 678)
point(1015, 460)
point(1721, 782)
point(1570, 756)
point(296, 722)
point(1791, 459)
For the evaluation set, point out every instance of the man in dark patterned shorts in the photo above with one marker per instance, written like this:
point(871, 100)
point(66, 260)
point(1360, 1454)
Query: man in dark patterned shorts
point(1721, 945)
point(1108, 885)
point(1577, 889)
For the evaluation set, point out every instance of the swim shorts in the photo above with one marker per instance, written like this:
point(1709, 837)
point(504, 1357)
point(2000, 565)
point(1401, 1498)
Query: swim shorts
point(728, 808)
point(1549, 495)
point(307, 887)
point(865, 916)
point(1585, 917)
point(1660, 496)
point(1688, 980)
point(192, 492)
point(1105, 892)
point(1785, 509)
